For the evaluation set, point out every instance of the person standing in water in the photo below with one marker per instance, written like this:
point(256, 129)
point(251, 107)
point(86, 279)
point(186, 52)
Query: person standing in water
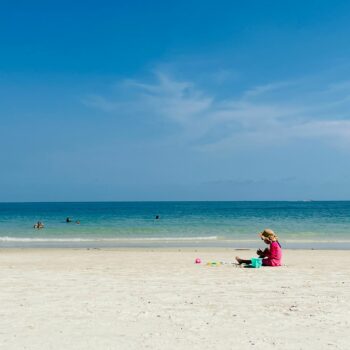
point(38, 225)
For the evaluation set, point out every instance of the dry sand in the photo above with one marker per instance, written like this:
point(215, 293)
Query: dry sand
point(139, 299)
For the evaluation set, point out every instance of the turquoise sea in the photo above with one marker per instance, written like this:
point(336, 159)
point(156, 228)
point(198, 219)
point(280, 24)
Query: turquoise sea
point(213, 224)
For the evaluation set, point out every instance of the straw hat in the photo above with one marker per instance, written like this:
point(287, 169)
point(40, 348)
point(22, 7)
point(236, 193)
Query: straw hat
point(269, 234)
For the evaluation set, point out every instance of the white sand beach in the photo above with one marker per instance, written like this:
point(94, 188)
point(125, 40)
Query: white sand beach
point(159, 299)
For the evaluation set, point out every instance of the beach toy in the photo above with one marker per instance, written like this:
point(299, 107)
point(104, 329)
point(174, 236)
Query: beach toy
point(213, 263)
point(256, 262)
point(198, 261)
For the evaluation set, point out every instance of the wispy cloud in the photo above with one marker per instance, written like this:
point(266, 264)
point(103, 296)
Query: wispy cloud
point(260, 115)
point(101, 102)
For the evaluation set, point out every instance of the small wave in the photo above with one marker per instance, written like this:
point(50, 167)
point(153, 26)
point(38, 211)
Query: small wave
point(75, 239)
point(160, 239)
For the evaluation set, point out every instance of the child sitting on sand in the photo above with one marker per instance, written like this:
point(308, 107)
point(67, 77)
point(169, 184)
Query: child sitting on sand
point(271, 256)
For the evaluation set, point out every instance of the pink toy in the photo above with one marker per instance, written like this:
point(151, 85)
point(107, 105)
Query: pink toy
point(198, 261)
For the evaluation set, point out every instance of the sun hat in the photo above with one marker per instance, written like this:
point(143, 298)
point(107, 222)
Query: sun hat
point(269, 234)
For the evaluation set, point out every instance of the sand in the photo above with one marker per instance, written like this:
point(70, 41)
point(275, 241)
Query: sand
point(139, 299)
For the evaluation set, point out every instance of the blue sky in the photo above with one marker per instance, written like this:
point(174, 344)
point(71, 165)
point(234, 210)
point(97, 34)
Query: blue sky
point(186, 100)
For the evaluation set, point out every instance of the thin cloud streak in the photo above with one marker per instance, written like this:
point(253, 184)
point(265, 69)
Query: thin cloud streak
point(261, 115)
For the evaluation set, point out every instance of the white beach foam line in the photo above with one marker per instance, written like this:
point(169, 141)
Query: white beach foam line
point(160, 239)
point(73, 239)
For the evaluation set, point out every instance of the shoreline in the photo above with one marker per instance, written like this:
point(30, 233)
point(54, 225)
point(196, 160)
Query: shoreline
point(171, 244)
point(159, 249)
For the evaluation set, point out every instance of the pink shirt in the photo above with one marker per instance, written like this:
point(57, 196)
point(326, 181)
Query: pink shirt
point(274, 256)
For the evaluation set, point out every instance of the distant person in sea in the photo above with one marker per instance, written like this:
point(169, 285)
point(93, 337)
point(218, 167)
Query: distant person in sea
point(77, 222)
point(68, 219)
point(271, 256)
point(157, 217)
point(39, 225)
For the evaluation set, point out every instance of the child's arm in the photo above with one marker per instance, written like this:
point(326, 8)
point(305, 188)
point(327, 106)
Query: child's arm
point(263, 253)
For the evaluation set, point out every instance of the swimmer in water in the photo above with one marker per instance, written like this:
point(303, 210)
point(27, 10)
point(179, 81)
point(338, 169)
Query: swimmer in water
point(39, 225)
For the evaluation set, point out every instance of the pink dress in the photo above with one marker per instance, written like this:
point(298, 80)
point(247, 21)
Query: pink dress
point(274, 256)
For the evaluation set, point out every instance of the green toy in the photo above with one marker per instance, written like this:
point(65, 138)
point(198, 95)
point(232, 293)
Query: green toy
point(256, 262)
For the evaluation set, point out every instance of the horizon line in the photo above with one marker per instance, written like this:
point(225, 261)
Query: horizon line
point(168, 201)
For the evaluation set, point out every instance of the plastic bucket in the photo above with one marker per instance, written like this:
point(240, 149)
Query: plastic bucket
point(256, 262)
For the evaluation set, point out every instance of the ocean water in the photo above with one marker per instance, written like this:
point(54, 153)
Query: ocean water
point(216, 224)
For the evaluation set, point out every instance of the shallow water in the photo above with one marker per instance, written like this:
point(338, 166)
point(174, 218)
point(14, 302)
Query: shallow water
point(298, 224)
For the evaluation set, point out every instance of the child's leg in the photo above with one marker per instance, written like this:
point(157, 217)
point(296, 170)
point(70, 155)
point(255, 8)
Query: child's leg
point(242, 261)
